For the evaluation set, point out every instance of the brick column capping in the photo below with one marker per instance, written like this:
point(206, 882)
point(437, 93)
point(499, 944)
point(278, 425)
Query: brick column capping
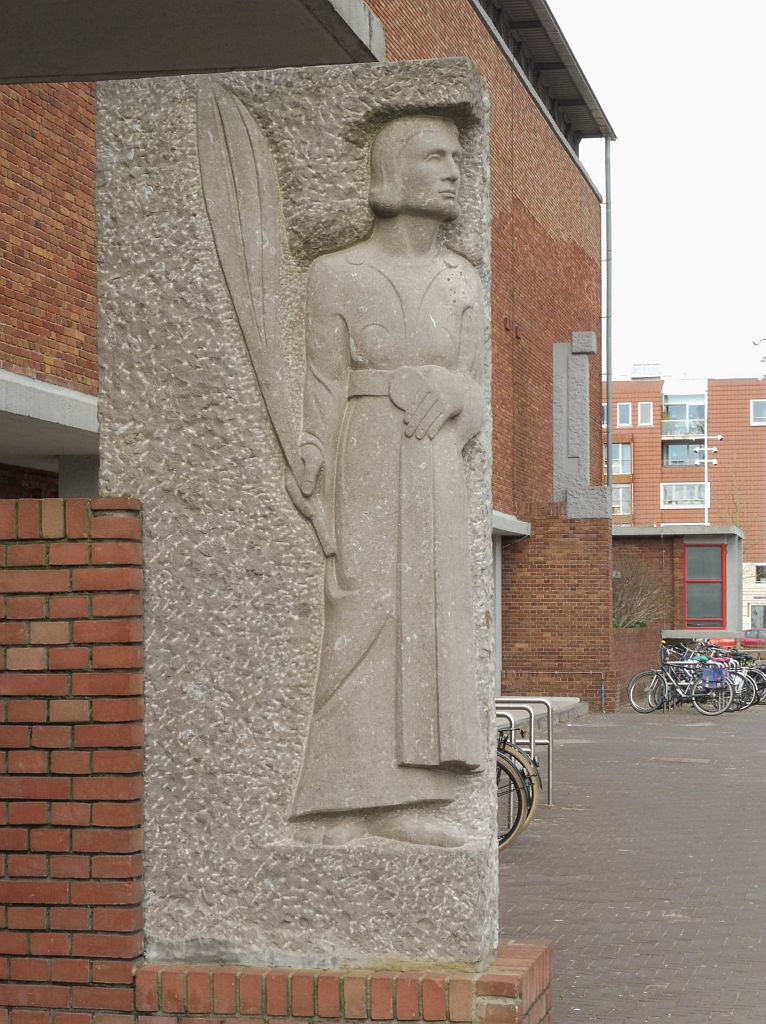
point(71, 760)
point(514, 989)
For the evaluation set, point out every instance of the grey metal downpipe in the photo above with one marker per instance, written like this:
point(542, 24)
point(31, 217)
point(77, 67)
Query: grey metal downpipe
point(608, 310)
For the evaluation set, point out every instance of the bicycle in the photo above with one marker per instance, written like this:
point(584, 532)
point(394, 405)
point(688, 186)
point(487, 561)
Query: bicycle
point(519, 788)
point(706, 687)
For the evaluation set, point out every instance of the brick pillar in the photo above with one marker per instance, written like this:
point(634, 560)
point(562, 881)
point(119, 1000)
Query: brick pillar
point(71, 754)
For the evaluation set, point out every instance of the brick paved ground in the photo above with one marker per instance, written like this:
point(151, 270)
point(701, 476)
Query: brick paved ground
point(649, 874)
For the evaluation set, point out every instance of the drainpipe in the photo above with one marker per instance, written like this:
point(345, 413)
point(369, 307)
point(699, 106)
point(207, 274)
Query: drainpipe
point(608, 311)
point(705, 451)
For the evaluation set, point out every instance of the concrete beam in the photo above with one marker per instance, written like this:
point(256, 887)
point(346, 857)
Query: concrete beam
point(504, 525)
point(47, 40)
point(40, 422)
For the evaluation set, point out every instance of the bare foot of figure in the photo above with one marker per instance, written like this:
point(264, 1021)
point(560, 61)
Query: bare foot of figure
point(333, 830)
point(415, 827)
point(402, 826)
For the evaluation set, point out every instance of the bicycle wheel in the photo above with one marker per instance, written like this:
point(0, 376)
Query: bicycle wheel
point(759, 678)
point(646, 691)
point(512, 804)
point(530, 773)
point(712, 701)
point(745, 691)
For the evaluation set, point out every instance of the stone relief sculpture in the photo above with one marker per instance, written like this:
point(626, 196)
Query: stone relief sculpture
point(392, 394)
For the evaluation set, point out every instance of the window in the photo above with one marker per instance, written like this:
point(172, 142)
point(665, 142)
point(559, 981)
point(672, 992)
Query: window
point(621, 458)
point(682, 495)
point(680, 453)
point(758, 412)
point(622, 500)
point(705, 583)
point(604, 419)
point(623, 414)
point(645, 414)
point(760, 573)
point(683, 416)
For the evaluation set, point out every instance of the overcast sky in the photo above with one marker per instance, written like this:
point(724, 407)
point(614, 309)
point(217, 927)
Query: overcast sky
point(683, 87)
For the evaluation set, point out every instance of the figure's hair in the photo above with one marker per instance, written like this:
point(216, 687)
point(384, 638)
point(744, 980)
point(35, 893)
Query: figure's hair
point(385, 178)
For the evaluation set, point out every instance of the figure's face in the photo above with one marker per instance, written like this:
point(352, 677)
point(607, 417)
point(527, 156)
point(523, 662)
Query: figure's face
point(430, 171)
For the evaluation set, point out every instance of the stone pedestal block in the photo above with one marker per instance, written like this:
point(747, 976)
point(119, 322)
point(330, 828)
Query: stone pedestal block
point(293, 268)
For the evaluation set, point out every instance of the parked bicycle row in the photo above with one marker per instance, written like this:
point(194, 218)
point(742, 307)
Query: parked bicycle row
point(709, 678)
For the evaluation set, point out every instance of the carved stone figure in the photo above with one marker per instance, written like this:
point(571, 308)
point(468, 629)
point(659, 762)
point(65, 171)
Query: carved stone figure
point(393, 393)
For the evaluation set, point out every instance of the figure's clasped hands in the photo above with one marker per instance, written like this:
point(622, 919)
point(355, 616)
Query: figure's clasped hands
point(429, 396)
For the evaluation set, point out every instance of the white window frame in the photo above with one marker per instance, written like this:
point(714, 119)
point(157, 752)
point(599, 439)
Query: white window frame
point(756, 567)
point(753, 421)
point(604, 420)
point(617, 506)
point(674, 465)
point(686, 483)
point(628, 406)
point(617, 469)
point(642, 420)
point(685, 424)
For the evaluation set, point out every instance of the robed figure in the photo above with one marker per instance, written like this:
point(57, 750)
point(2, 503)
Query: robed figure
point(393, 392)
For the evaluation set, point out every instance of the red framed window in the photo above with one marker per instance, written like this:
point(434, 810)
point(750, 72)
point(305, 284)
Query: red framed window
point(705, 585)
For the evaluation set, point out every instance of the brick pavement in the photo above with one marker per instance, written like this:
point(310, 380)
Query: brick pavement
point(648, 873)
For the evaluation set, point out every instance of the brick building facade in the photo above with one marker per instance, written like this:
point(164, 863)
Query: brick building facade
point(71, 806)
point(660, 480)
point(546, 284)
point(546, 281)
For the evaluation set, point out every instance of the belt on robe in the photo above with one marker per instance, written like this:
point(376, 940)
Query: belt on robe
point(369, 383)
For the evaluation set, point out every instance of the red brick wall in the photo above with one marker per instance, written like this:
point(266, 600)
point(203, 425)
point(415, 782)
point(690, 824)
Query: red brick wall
point(664, 559)
point(71, 749)
point(738, 482)
point(557, 617)
point(634, 650)
point(20, 482)
point(48, 233)
point(646, 450)
point(516, 987)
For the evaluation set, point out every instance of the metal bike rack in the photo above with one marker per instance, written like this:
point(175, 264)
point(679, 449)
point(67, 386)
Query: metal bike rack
point(507, 704)
point(512, 724)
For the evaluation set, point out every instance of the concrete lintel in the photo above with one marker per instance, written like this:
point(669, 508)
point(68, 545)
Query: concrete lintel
point(506, 525)
point(47, 40)
point(24, 396)
point(721, 634)
point(677, 530)
point(40, 422)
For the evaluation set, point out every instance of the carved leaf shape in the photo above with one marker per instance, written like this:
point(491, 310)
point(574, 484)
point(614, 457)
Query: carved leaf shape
point(241, 192)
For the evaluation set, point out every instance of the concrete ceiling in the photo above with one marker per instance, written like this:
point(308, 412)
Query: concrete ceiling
point(25, 441)
point(49, 40)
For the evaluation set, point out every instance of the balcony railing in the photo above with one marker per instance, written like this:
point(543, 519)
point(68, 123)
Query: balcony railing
point(683, 428)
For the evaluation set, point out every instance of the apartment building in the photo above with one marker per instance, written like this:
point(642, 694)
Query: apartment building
point(691, 453)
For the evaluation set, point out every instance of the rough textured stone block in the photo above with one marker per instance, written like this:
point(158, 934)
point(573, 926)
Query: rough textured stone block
point(234, 574)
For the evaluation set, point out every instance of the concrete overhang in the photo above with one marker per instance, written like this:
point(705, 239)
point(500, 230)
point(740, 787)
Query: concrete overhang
point(40, 422)
point(70, 40)
point(505, 525)
point(677, 530)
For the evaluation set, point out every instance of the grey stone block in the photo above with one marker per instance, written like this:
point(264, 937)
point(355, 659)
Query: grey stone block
point(234, 574)
point(584, 343)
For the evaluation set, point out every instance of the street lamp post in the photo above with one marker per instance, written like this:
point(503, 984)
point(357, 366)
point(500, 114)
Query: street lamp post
point(705, 461)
